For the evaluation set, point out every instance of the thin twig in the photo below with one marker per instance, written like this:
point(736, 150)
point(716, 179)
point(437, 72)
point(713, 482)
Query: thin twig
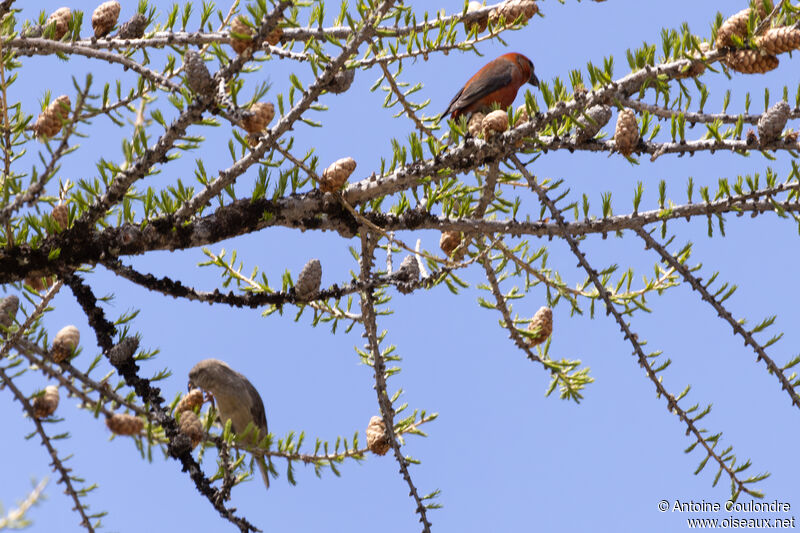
point(672, 403)
point(379, 366)
point(722, 312)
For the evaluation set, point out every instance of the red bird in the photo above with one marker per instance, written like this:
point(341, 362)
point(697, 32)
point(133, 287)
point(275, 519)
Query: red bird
point(497, 82)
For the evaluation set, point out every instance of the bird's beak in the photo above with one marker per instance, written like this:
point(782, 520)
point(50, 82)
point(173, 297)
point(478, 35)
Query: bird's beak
point(191, 386)
point(534, 80)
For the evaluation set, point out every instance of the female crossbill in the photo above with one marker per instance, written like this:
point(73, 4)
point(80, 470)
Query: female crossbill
point(236, 399)
point(496, 83)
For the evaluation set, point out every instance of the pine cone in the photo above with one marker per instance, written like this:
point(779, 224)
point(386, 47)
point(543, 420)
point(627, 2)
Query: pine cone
point(335, 176)
point(60, 18)
point(696, 67)
point(474, 124)
point(253, 139)
point(8, 310)
point(449, 241)
point(341, 81)
point(772, 122)
point(480, 23)
point(60, 214)
point(191, 426)
point(46, 404)
point(598, 116)
point(522, 111)
point(511, 10)
point(197, 76)
point(122, 352)
point(104, 17)
point(124, 424)
point(34, 31)
point(377, 436)
point(39, 282)
point(194, 398)
point(494, 122)
point(244, 41)
point(134, 28)
point(626, 135)
point(736, 25)
point(65, 343)
point(308, 280)
point(49, 122)
point(541, 326)
point(779, 40)
point(274, 36)
point(750, 62)
point(261, 114)
point(409, 270)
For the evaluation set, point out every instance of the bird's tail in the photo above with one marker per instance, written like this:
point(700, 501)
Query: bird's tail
point(262, 466)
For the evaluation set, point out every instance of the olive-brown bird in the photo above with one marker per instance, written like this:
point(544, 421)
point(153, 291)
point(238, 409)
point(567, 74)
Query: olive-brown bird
point(236, 399)
point(497, 82)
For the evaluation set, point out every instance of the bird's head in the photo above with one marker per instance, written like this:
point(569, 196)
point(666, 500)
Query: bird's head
point(207, 373)
point(527, 67)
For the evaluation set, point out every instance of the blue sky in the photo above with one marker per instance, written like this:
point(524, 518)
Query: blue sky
point(505, 457)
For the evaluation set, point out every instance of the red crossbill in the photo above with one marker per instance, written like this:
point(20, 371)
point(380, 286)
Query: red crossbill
point(497, 82)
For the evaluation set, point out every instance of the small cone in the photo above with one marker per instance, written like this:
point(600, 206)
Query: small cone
point(475, 123)
point(46, 404)
point(60, 214)
point(197, 76)
point(736, 25)
point(134, 28)
point(772, 122)
point(8, 310)
point(626, 135)
point(494, 122)
point(341, 81)
point(243, 41)
point(191, 426)
point(32, 32)
point(697, 67)
point(49, 122)
point(104, 17)
point(598, 116)
point(38, 283)
point(449, 241)
point(335, 176)
point(750, 62)
point(122, 352)
point(60, 18)
point(261, 114)
point(193, 399)
point(510, 10)
point(779, 40)
point(274, 36)
point(309, 279)
point(479, 23)
point(409, 270)
point(377, 436)
point(65, 343)
point(541, 326)
point(522, 112)
point(124, 424)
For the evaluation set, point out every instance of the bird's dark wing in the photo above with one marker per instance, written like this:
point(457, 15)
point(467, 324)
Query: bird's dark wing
point(257, 408)
point(492, 77)
point(450, 106)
